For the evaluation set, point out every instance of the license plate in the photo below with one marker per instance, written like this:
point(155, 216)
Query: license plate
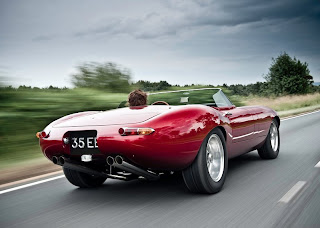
point(83, 142)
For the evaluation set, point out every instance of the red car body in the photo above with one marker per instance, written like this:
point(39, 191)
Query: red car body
point(178, 133)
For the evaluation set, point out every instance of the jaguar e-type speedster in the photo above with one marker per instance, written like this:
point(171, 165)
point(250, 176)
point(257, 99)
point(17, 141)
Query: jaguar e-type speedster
point(193, 131)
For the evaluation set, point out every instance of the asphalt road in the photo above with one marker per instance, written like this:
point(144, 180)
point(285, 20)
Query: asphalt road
point(250, 197)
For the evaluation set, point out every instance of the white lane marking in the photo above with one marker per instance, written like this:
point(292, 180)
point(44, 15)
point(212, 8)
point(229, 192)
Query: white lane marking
point(309, 113)
point(30, 184)
point(317, 165)
point(29, 179)
point(292, 192)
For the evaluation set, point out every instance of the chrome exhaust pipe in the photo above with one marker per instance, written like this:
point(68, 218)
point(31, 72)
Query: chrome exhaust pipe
point(110, 160)
point(118, 159)
point(55, 160)
point(61, 160)
point(125, 166)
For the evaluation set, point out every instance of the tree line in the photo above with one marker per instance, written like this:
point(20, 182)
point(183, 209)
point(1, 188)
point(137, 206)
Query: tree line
point(286, 75)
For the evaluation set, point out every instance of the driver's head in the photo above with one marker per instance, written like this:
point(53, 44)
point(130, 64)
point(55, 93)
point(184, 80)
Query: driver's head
point(137, 98)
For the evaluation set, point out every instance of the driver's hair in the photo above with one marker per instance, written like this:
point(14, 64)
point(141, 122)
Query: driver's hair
point(137, 98)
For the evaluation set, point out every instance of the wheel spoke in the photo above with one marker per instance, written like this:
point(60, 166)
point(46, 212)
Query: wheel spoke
point(274, 137)
point(215, 157)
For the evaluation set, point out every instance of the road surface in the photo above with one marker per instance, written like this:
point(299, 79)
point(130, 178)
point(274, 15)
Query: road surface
point(257, 193)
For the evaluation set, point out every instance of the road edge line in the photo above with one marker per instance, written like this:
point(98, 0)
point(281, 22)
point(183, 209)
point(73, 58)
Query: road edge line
point(30, 184)
point(29, 179)
point(300, 115)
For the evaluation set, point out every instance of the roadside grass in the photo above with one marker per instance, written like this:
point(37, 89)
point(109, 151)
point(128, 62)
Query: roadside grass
point(284, 103)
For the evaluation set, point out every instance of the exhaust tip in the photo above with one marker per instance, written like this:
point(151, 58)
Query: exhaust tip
point(55, 160)
point(118, 160)
point(61, 160)
point(110, 160)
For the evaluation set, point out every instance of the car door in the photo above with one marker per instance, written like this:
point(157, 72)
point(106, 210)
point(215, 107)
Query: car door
point(242, 127)
point(262, 122)
point(241, 123)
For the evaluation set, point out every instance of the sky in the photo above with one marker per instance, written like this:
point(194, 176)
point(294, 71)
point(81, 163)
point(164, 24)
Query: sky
point(180, 41)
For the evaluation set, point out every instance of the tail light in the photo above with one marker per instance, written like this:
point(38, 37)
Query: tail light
point(125, 131)
point(42, 134)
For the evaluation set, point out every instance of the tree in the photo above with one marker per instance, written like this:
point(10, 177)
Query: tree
point(108, 76)
point(151, 86)
point(288, 76)
point(162, 85)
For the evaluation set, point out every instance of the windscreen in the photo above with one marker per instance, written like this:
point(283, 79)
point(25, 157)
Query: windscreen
point(212, 97)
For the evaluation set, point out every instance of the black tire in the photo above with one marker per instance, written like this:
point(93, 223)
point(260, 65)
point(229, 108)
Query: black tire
point(83, 180)
point(266, 151)
point(197, 177)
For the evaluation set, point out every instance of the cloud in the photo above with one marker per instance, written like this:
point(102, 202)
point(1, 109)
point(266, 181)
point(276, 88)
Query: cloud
point(180, 15)
point(236, 12)
point(148, 26)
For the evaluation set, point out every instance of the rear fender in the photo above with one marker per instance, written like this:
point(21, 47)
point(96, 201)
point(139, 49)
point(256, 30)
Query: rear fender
point(179, 134)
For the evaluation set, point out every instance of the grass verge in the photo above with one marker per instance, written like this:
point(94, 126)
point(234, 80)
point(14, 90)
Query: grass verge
point(286, 103)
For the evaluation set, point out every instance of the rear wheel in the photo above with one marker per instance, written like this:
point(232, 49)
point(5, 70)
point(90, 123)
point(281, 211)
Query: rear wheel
point(208, 171)
point(270, 148)
point(83, 180)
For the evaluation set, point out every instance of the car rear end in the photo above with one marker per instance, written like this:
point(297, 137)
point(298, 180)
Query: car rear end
point(159, 141)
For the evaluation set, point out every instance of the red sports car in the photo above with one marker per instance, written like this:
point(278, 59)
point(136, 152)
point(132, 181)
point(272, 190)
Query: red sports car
point(193, 131)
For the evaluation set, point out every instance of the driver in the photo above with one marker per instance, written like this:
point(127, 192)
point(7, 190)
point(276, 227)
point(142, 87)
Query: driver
point(137, 98)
